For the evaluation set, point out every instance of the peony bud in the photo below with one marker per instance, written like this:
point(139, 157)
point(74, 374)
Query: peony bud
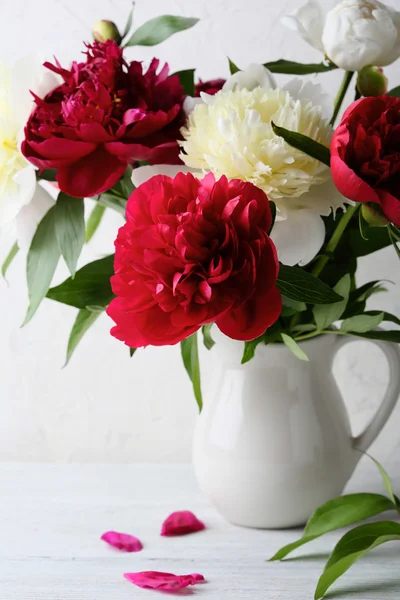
point(373, 216)
point(372, 81)
point(106, 30)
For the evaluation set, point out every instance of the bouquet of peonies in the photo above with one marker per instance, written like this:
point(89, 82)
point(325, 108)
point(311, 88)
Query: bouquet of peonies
point(245, 205)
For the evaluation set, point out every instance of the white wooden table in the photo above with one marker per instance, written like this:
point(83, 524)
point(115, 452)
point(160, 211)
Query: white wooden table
point(52, 516)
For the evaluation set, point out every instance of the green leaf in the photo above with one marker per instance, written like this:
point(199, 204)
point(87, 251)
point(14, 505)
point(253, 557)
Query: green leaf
point(386, 480)
point(250, 349)
point(386, 336)
point(272, 206)
point(129, 21)
point(9, 258)
point(304, 328)
point(94, 221)
point(386, 316)
point(85, 318)
point(42, 261)
point(337, 513)
point(295, 68)
point(378, 238)
point(110, 201)
point(394, 92)
point(132, 351)
point(304, 143)
point(353, 546)
point(326, 314)
point(394, 241)
point(361, 323)
point(190, 357)
point(186, 78)
point(70, 228)
point(291, 307)
point(159, 29)
point(47, 174)
point(207, 339)
point(90, 286)
point(232, 67)
point(126, 183)
point(294, 347)
point(367, 290)
point(297, 284)
point(364, 228)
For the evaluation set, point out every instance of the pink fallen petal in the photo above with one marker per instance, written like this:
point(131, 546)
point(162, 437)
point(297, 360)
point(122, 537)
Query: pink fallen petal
point(181, 523)
point(168, 582)
point(122, 541)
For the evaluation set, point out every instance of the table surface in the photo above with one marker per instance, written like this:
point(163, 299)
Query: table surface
point(52, 517)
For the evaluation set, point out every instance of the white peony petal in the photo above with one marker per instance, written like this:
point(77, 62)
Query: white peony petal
point(30, 216)
point(308, 21)
point(299, 237)
point(307, 90)
point(253, 76)
point(189, 103)
point(29, 75)
point(142, 174)
point(357, 34)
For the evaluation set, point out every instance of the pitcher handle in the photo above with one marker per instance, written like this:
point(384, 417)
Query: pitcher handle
point(392, 354)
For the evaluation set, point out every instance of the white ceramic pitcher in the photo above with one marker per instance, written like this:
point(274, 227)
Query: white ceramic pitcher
point(273, 441)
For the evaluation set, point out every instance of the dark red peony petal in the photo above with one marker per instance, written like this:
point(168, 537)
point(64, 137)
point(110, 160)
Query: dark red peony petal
point(253, 318)
point(122, 541)
point(167, 582)
point(181, 523)
point(390, 206)
point(165, 153)
point(91, 175)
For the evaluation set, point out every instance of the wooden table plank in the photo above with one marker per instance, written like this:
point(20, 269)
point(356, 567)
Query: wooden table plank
point(52, 517)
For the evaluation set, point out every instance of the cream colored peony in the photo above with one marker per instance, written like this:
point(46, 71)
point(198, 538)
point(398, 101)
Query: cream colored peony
point(231, 134)
point(22, 203)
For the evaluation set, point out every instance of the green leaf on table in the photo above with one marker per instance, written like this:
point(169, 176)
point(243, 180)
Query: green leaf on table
point(85, 318)
point(293, 347)
point(129, 21)
point(394, 92)
point(90, 287)
point(326, 314)
point(94, 221)
point(353, 546)
point(290, 67)
point(9, 258)
point(232, 67)
point(361, 323)
point(186, 78)
point(337, 513)
point(304, 143)
point(190, 357)
point(42, 261)
point(297, 284)
point(70, 228)
point(207, 339)
point(159, 29)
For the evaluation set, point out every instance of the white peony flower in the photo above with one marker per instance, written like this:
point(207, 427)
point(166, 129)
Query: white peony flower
point(230, 134)
point(352, 34)
point(17, 176)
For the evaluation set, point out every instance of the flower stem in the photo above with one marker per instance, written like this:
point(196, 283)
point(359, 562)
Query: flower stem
point(308, 336)
point(333, 242)
point(341, 94)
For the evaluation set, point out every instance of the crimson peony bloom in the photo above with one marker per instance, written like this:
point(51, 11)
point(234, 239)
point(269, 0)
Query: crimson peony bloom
point(105, 115)
point(365, 154)
point(194, 252)
point(209, 87)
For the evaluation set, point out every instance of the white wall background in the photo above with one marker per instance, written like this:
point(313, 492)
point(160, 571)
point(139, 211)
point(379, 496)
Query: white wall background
point(105, 406)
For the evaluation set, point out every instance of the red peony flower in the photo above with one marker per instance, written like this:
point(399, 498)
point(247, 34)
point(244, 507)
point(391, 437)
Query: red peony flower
point(209, 87)
point(365, 154)
point(106, 114)
point(194, 252)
